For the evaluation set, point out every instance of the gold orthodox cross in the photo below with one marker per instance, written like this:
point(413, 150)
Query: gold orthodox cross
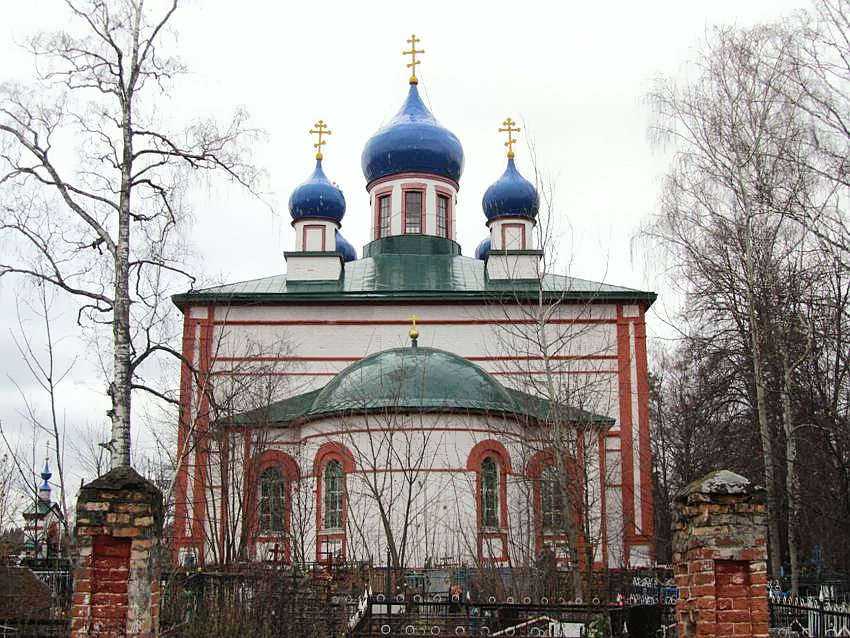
point(510, 130)
point(413, 61)
point(321, 129)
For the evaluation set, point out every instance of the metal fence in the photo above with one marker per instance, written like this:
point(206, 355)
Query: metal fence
point(808, 617)
point(437, 615)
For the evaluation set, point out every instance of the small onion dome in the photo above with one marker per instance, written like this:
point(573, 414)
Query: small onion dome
point(483, 248)
point(317, 198)
point(413, 142)
point(511, 196)
point(344, 247)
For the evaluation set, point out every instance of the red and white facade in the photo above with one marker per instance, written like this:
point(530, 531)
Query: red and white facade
point(460, 486)
point(606, 365)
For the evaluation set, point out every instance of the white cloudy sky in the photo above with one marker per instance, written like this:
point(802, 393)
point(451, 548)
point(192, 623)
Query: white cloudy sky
point(574, 74)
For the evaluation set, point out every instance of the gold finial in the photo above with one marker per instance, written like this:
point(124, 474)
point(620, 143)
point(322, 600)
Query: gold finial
point(321, 129)
point(414, 333)
point(413, 61)
point(510, 130)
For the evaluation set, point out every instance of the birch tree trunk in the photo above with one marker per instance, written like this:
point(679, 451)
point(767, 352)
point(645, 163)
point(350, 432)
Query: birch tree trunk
point(103, 227)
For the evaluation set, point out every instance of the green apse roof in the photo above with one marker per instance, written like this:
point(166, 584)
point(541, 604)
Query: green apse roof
point(413, 379)
point(411, 267)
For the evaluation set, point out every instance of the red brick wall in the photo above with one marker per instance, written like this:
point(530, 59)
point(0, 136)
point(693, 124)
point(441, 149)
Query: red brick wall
point(719, 555)
point(116, 580)
point(110, 576)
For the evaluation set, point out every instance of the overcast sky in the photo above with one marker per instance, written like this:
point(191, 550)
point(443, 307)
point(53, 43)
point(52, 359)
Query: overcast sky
point(574, 76)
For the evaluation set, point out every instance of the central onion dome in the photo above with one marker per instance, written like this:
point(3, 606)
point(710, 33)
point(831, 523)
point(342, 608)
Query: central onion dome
point(416, 378)
point(317, 198)
point(511, 196)
point(413, 142)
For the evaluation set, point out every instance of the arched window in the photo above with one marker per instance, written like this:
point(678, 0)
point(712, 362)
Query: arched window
point(272, 501)
point(489, 493)
point(552, 488)
point(332, 464)
point(333, 488)
point(491, 463)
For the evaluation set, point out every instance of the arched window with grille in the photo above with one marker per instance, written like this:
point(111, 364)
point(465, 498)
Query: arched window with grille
point(552, 507)
point(491, 464)
point(489, 493)
point(334, 491)
point(332, 464)
point(272, 501)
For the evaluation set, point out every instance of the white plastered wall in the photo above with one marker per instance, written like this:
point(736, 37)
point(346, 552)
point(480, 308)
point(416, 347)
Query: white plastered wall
point(301, 347)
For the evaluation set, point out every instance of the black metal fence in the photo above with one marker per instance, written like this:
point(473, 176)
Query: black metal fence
point(314, 601)
point(255, 603)
point(438, 615)
point(808, 617)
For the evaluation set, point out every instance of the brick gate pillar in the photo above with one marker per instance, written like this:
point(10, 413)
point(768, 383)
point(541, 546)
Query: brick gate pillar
point(116, 577)
point(720, 557)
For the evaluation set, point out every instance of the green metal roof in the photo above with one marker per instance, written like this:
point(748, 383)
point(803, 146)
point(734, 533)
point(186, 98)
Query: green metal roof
point(407, 379)
point(413, 268)
point(412, 378)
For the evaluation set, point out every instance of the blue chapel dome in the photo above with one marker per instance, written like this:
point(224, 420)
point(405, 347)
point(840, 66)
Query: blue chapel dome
point(483, 248)
point(413, 142)
point(344, 246)
point(511, 196)
point(317, 198)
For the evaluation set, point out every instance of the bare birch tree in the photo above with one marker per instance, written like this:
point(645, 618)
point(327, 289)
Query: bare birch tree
point(541, 323)
point(92, 183)
point(743, 220)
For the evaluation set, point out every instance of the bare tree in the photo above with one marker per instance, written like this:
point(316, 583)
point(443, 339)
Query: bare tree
point(44, 367)
point(542, 324)
point(100, 223)
point(233, 427)
point(10, 498)
point(744, 219)
point(406, 442)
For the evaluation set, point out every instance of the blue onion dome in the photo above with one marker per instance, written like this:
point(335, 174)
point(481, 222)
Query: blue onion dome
point(511, 196)
point(317, 198)
point(483, 248)
point(413, 142)
point(343, 246)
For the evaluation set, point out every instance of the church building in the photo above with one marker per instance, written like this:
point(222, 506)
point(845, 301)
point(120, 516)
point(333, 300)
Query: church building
point(415, 404)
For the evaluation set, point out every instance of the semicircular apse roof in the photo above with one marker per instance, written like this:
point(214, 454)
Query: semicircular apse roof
point(413, 378)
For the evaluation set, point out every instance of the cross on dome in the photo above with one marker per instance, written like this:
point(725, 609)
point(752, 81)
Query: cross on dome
point(413, 61)
point(321, 129)
point(510, 130)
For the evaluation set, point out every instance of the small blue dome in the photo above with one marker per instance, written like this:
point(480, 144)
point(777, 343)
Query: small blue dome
point(511, 196)
point(413, 142)
point(483, 248)
point(343, 246)
point(317, 197)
